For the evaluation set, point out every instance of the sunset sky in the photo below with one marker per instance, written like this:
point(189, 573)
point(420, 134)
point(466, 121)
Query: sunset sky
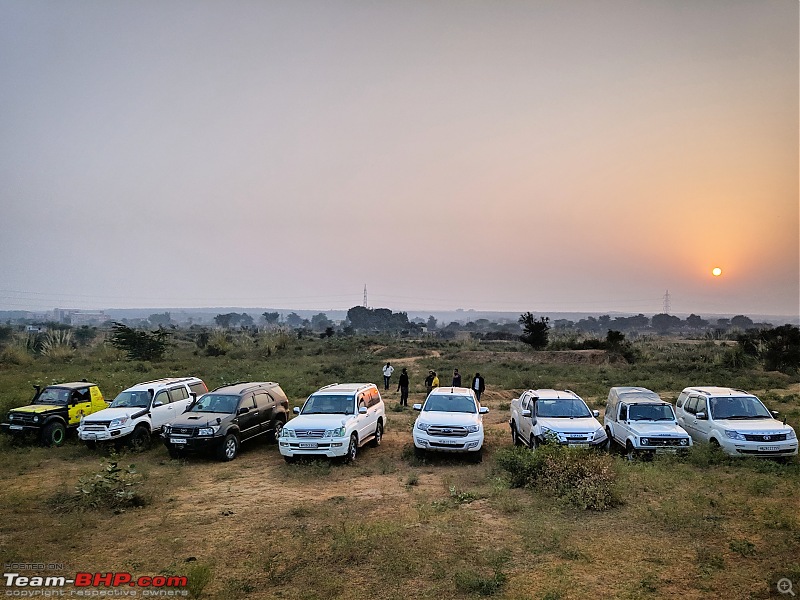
point(496, 155)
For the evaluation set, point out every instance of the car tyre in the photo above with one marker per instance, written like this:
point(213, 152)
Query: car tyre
point(630, 453)
point(290, 460)
point(91, 444)
point(515, 435)
point(477, 457)
point(376, 441)
point(352, 449)
point(534, 442)
point(174, 452)
point(228, 449)
point(277, 428)
point(140, 439)
point(53, 434)
point(419, 453)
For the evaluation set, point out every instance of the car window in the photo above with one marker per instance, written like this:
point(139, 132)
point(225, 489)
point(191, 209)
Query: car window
point(263, 399)
point(247, 402)
point(178, 393)
point(198, 388)
point(162, 397)
point(691, 405)
point(681, 399)
point(323, 404)
point(449, 403)
point(623, 412)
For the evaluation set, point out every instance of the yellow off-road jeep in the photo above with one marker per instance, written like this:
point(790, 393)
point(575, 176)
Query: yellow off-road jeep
point(55, 409)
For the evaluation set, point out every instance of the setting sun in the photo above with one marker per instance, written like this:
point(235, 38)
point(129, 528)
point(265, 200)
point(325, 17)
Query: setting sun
point(716, 271)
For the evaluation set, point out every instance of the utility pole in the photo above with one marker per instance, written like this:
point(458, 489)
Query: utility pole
point(365, 296)
point(666, 302)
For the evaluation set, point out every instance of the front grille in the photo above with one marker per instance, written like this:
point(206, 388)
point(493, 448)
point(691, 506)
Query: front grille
point(447, 431)
point(780, 437)
point(22, 418)
point(182, 430)
point(94, 427)
point(665, 441)
point(96, 424)
point(309, 433)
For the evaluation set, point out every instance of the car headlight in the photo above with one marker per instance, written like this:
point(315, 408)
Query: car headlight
point(644, 442)
point(338, 432)
point(473, 428)
point(167, 429)
point(286, 432)
point(735, 435)
point(422, 426)
point(208, 430)
point(791, 435)
point(118, 422)
point(10, 416)
point(35, 418)
point(684, 441)
point(599, 434)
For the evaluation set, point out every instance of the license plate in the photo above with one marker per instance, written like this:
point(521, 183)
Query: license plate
point(308, 444)
point(177, 440)
point(91, 436)
point(768, 448)
point(449, 443)
point(15, 427)
point(578, 445)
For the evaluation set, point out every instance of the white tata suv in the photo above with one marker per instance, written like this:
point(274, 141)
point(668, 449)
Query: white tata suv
point(451, 420)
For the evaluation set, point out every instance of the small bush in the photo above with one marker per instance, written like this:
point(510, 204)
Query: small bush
point(580, 477)
point(198, 576)
point(475, 583)
point(113, 486)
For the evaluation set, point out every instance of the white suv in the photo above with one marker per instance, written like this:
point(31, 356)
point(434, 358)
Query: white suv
point(451, 420)
point(335, 421)
point(539, 416)
point(140, 411)
point(736, 421)
point(640, 421)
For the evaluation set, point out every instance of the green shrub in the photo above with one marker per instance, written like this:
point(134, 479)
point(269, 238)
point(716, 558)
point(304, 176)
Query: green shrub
point(580, 477)
point(198, 577)
point(113, 486)
point(475, 583)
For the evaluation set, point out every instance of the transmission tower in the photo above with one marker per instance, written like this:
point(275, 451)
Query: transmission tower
point(365, 296)
point(666, 302)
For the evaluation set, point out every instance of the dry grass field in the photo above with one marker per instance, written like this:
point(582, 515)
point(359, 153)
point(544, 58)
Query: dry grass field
point(390, 526)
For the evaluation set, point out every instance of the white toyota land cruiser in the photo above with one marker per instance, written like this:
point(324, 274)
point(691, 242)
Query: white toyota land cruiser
point(335, 421)
point(140, 411)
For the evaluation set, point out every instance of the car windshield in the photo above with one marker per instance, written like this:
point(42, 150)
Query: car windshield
point(566, 408)
point(216, 403)
point(651, 412)
point(450, 403)
point(739, 407)
point(137, 399)
point(53, 395)
point(328, 405)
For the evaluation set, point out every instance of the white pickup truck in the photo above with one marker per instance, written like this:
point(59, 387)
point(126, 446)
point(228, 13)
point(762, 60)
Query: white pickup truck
point(541, 416)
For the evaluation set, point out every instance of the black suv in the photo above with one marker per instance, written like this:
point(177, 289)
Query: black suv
point(227, 416)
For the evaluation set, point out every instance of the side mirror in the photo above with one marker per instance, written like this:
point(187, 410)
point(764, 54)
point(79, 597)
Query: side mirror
point(775, 413)
point(595, 413)
point(157, 403)
point(296, 410)
point(526, 413)
point(244, 409)
point(417, 407)
point(362, 410)
point(701, 416)
point(483, 410)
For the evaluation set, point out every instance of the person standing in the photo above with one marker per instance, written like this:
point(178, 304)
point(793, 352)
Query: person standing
point(456, 378)
point(478, 385)
point(435, 382)
point(402, 387)
point(387, 375)
point(429, 383)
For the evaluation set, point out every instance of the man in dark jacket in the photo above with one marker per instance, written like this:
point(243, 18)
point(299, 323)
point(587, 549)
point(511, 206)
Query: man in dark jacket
point(478, 385)
point(402, 387)
point(456, 378)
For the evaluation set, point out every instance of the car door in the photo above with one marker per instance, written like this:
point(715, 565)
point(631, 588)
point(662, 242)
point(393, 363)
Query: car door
point(80, 404)
point(264, 408)
point(179, 400)
point(364, 425)
point(702, 426)
point(160, 410)
point(525, 422)
point(248, 417)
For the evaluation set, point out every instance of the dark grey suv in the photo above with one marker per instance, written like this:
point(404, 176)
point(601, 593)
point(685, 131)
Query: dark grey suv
point(222, 419)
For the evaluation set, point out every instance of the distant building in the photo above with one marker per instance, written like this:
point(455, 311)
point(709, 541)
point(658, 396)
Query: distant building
point(76, 318)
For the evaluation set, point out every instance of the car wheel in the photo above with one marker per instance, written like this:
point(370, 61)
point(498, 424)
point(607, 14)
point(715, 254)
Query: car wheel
point(376, 441)
point(419, 453)
point(53, 434)
point(352, 449)
point(174, 452)
point(610, 444)
point(515, 435)
point(140, 439)
point(534, 442)
point(228, 448)
point(276, 429)
point(477, 457)
point(91, 445)
point(289, 459)
point(630, 453)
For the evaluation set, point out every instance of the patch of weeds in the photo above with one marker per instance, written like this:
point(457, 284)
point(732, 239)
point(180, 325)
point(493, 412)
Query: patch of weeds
point(759, 486)
point(113, 487)
point(775, 518)
point(574, 554)
point(398, 408)
point(552, 595)
point(708, 560)
point(744, 547)
point(299, 512)
point(198, 577)
point(462, 497)
point(475, 583)
point(412, 479)
point(239, 588)
point(649, 584)
point(386, 466)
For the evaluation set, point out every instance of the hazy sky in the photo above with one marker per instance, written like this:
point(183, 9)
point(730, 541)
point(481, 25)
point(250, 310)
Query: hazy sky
point(506, 155)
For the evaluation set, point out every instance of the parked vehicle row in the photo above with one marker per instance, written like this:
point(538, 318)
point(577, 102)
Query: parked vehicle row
point(638, 421)
point(338, 419)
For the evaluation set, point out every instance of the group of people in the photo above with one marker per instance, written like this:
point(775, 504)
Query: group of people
point(478, 384)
